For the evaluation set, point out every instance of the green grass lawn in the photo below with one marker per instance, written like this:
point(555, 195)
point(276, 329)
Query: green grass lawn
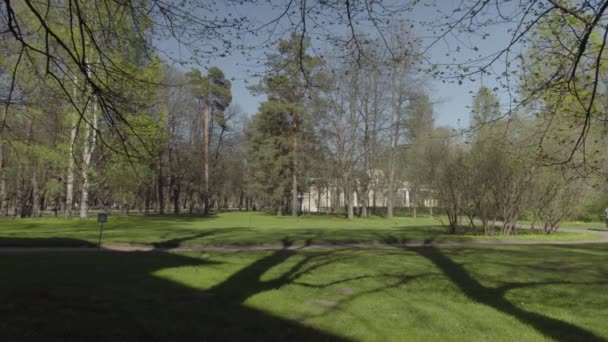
point(584, 225)
point(482, 293)
point(241, 228)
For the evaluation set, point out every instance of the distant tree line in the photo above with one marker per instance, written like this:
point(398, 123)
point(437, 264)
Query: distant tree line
point(94, 114)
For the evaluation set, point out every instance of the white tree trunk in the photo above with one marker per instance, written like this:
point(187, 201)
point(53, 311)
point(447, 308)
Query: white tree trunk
point(88, 149)
point(87, 152)
point(351, 199)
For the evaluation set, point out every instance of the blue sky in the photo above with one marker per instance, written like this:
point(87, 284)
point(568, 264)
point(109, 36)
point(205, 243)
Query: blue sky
point(451, 99)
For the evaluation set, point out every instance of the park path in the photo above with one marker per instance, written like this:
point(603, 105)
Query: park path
point(602, 239)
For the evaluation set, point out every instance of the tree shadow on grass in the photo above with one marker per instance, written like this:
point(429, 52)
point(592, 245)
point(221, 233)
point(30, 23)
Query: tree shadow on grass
point(43, 242)
point(182, 217)
point(181, 241)
point(495, 298)
point(117, 296)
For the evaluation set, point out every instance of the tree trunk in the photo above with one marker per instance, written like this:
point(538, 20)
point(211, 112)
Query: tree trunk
point(161, 188)
point(318, 199)
point(336, 199)
point(391, 169)
point(35, 190)
point(190, 201)
point(280, 208)
point(397, 100)
point(294, 171)
point(391, 192)
point(206, 187)
point(19, 198)
point(147, 199)
point(3, 189)
point(350, 206)
point(176, 193)
point(364, 202)
point(90, 137)
point(414, 203)
point(309, 196)
point(69, 196)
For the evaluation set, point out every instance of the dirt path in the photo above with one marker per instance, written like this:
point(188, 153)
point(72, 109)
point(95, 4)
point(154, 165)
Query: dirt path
point(603, 238)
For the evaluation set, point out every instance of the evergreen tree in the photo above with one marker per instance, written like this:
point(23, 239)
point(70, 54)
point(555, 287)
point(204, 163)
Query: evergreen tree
point(268, 155)
point(213, 91)
point(291, 76)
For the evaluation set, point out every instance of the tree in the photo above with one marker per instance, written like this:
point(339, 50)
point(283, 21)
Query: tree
point(420, 161)
point(569, 39)
point(485, 109)
point(400, 64)
point(213, 91)
point(373, 110)
point(292, 73)
point(268, 155)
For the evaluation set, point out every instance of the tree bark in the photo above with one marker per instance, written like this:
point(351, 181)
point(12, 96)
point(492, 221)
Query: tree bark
point(205, 196)
point(318, 199)
point(161, 187)
point(397, 98)
point(294, 171)
point(414, 203)
point(364, 203)
point(147, 199)
point(335, 207)
point(176, 193)
point(3, 189)
point(69, 196)
point(309, 195)
point(391, 165)
point(35, 190)
point(90, 139)
point(350, 206)
point(19, 202)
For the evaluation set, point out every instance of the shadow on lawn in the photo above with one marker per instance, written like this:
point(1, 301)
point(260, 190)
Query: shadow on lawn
point(178, 242)
point(114, 296)
point(43, 242)
point(495, 298)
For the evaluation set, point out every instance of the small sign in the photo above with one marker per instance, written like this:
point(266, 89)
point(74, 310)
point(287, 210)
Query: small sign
point(102, 218)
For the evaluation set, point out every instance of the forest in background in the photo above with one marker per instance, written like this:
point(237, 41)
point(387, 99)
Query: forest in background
point(93, 117)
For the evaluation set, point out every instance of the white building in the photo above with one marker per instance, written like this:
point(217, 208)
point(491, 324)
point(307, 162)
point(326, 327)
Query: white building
point(322, 199)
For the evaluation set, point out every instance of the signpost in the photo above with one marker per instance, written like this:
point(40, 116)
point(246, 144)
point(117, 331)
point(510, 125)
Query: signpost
point(101, 218)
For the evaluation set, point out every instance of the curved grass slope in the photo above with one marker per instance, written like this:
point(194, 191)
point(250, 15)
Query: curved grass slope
point(244, 228)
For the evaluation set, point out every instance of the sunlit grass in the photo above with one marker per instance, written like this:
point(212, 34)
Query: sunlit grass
point(247, 228)
point(584, 225)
